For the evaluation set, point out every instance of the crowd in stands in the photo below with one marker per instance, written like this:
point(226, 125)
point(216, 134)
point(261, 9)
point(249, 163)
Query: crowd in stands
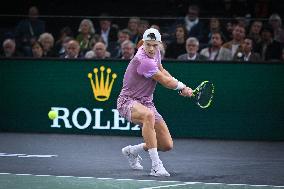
point(187, 38)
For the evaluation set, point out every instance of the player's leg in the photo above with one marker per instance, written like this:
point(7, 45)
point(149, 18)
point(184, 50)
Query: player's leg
point(164, 139)
point(141, 115)
point(164, 143)
point(153, 123)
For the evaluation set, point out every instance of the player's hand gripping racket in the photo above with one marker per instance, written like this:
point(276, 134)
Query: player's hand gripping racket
point(203, 94)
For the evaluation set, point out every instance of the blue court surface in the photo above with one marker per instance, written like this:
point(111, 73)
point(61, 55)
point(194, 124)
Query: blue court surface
point(45, 161)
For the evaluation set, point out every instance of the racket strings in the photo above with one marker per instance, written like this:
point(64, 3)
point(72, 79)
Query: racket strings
point(205, 94)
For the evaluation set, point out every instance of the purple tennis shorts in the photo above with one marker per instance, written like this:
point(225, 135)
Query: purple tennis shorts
point(124, 106)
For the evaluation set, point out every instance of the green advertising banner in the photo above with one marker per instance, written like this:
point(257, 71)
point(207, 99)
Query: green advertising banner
point(248, 102)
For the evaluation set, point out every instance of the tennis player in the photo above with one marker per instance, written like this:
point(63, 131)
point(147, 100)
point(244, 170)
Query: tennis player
point(135, 102)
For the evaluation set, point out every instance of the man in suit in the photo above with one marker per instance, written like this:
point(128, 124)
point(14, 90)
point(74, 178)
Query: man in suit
point(107, 30)
point(192, 46)
point(216, 51)
point(248, 54)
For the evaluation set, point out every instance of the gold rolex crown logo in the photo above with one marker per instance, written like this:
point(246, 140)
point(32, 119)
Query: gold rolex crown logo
point(102, 87)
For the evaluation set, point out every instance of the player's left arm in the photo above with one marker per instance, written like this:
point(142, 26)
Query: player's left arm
point(186, 91)
point(164, 71)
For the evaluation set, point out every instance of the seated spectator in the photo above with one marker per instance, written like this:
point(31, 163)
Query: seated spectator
point(195, 26)
point(142, 27)
point(215, 51)
point(63, 33)
point(214, 25)
point(98, 52)
point(9, 49)
point(268, 48)
point(28, 31)
point(276, 23)
point(63, 49)
point(37, 49)
point(254, 31)
point(86, 32)
point(47, 42)
point(177, 47)
point(107, 30)
point(132, 25)
point(115, 47)
point(72, 50)
point(235, 45)
point(192, 46)
point(127, 50)
point(248, 54)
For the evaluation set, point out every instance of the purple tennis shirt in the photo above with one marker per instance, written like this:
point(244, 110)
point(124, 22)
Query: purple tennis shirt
point(137, 82)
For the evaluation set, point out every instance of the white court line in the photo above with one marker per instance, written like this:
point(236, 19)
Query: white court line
point(166, 186)
point(39, 156)
point(64, 176)
point(23, 174)
point(85, 177)
point(10, 155)
point(182, 183)
point(27, 155)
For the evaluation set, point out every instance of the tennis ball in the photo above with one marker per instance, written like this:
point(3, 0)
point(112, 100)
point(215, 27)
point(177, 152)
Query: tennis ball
point(52, 114)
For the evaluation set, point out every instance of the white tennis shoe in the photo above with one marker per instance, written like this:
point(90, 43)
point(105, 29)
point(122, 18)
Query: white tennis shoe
point(133, 159)
point(158, 170)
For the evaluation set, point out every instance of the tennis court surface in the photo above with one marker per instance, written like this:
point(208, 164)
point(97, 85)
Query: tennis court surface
point(46, 161)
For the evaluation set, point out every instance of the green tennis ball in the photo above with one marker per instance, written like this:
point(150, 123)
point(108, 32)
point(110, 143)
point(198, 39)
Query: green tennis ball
point(52, 114)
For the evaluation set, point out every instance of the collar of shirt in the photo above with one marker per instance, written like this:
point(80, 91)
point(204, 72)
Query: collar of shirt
point(191, 58)
point(246, 57)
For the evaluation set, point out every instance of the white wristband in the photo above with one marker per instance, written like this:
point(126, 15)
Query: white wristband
point(175, 79)
point(180, 86)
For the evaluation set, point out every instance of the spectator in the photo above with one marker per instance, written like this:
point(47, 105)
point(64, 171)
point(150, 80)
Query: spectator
point(215, 51)
point(37, 49)
point(9, 49)
point(127, 50)
point(72, 50)
point(58, 47)
point(47, 42)
point(133, 24)
point(269, 49)
point(254, 31)
point(276, 23)
point(235, 45)
point(28, 31)
point(248, 54)
point(115, 47)
point(177, 47)
point(98, 52)
point(63, 50)
point(86, 32)
point(194, 25)
point(192, 46)
point(142, 27)
point(107, 30)
point(214, 25)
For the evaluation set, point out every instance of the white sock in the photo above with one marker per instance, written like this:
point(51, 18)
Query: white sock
point(154, 156)
point(136, 149)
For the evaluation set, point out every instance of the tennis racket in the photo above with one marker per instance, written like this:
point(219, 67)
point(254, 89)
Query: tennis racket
point(203, 94)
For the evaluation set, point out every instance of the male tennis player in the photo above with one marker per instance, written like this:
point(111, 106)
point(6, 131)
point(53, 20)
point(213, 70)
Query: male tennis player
point(135, 102)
